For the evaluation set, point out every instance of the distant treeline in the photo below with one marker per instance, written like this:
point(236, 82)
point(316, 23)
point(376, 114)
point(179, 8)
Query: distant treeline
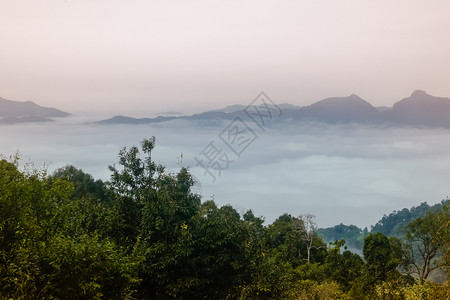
point(392, 225)
point(145, 235)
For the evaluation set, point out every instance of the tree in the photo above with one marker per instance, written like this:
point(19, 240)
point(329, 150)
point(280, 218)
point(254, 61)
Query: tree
point(153, 216)
point(293, 241)
point(380, 257)
point(84, 185)
point(427, 239)
point(353, 235)
point(48, 248)
point(134, 184)
point(394, 223)
point(343, 268)
point(309, 234)
point(137, 178)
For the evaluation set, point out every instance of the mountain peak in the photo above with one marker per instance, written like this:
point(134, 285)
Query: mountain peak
point(422, 108)
point(419, 93)
point(341, 110)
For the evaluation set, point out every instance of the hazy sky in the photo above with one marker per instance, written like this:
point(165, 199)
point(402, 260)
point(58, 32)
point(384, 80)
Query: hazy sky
point(141, 57)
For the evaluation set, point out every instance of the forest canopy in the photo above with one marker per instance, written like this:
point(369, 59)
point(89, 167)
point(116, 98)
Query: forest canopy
point(145, 234)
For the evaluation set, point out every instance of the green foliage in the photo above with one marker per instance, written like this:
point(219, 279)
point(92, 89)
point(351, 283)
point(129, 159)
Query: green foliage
point(381, 258)
point(311, 290)
point(343, 268)
point(352, 235)
point(287, 241)
point(46, 250)
point(86, 267)
point(427, 241)
point(146, 235)
point(390, 225)
point(137, 177)
point(84, 185)
point(397, 291)
point(393, 224)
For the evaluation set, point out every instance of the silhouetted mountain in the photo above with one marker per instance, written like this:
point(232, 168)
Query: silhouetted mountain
point(12, 112)
point(420, 109)
point(338, 110)
point(168, 113)
point(230, 108)
point(208, 116)
point(238, 107)
point(130, 120)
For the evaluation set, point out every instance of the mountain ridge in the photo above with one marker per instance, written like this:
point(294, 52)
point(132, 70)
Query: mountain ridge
point(13, 112)
point(418, 110)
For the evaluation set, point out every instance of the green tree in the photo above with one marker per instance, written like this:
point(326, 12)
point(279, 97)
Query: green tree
point(136, 179)
point(291, 241)
point(427, 242)
point(84, 185)
point(353, 235)
point(394, 223)
point(166, 234)
point(45, 249)
point(30, 213)
point(344, 268)
point(133, 184)
point(381, 257)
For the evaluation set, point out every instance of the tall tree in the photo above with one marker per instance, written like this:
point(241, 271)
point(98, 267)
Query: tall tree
point(84, 185)
point(427, 239)
point(380, 257)
point(309, 234)
point(344, 267)
point(134, 183)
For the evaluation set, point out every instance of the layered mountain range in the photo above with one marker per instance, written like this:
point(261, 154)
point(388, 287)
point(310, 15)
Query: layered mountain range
point(418, 110)
point(12, 112)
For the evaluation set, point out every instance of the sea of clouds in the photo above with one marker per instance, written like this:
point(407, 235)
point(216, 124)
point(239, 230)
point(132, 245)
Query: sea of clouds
point(341, 173)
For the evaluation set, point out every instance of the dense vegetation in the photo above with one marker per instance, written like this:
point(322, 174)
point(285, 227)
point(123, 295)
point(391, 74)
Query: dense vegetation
point(145, 235)
point(390, 225)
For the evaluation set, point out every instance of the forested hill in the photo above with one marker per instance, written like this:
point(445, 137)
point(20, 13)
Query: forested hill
point(353, 235)
point(393, 224)
point(390, 225)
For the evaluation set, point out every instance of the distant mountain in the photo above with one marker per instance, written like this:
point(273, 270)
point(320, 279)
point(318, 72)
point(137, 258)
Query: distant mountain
point(12, 112)
point(168, 113)
point(418, 110)
point(130, 120)
point(338, 110)
point(230, 108)
point(239, 107)
point(421, 109)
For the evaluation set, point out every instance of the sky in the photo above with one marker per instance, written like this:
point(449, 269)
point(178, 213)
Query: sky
point(142, 57)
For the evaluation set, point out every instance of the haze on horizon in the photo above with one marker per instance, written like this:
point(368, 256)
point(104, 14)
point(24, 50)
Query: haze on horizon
point(152, 56)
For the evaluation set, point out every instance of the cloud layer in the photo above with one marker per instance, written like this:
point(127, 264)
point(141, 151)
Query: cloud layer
point(350, 174)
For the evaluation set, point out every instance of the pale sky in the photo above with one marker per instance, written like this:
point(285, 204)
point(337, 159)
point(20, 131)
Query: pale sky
point(142, 57)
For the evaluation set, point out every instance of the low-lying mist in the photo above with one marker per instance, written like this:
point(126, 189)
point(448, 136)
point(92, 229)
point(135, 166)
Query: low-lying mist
point(340, 173)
